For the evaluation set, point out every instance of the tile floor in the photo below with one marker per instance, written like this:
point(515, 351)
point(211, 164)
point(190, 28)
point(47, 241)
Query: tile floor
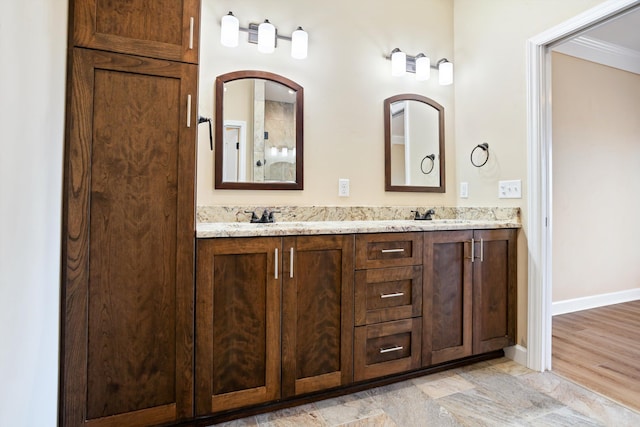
point(494, 393)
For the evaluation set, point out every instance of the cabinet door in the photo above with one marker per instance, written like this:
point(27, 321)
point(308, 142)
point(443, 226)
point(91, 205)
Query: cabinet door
point(237, 323)
point(317, 322)
point(127, 297)
point(494, 290)
point(447, 315)
point(164, 29)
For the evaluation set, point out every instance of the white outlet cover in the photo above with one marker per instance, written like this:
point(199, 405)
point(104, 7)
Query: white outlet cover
point(464, 190)
point(343, 187)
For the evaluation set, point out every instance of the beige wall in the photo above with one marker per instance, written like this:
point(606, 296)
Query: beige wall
point(490, 101)
point(596, 178)
point(345, 80)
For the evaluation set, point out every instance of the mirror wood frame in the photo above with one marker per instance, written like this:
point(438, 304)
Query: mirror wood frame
point(219, 126)
point(387, 144)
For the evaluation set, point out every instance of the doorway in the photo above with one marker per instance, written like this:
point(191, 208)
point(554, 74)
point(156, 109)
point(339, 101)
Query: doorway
point(540, 223)
point(235, 151)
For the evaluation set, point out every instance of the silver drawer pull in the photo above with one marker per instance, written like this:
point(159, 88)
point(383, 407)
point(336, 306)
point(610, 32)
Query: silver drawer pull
point(389, 251)
point(389, 350)
point(191, 22)
point(397, 294)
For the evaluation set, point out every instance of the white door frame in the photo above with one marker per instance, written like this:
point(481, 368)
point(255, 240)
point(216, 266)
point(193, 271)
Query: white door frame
point(539, 224)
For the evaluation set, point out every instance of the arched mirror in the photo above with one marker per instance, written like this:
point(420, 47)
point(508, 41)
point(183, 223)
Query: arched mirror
point(258, 132)
point(414, 144)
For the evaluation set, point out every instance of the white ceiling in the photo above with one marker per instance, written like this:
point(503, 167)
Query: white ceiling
point(615, 43)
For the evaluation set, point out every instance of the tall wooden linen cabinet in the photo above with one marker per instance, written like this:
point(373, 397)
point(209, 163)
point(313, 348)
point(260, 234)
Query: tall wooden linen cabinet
point(129, 210)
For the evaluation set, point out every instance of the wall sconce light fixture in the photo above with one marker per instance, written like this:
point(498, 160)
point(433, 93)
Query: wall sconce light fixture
point(265, 35)
point(420, 65)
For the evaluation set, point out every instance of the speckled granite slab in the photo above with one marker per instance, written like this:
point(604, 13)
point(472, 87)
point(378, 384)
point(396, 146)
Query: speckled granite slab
point(232, 221)
point(206, 214)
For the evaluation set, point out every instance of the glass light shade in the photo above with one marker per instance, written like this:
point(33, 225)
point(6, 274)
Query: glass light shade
point(423, 68)
point(299, 43)
point(446, 73)
point(398, 63)
point(266, 37)
point(285, 151)
point(274, 151)
point(230, 31)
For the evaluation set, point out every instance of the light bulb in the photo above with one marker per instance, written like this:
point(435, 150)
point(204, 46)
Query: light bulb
point(423, 67)
point(266, 37)
point(299, 43)
point(398, 63)
point(230, 30)
point(445, 69)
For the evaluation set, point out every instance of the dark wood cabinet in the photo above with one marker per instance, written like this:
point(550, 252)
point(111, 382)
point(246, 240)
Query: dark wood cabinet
point(317, 313)
point(163, 29)
point(128, 256)
point(448, 292)
point(388, 304)
point(494, 289)
point(469, 293)
point(238, 316)
point(252, 349)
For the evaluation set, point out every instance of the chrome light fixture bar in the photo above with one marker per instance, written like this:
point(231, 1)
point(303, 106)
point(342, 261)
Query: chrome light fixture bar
point(265, 35)
point(421, 66)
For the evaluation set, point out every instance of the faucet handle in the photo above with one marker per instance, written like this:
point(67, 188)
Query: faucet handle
point(271, 218)
point(254, 217)
point(417, 216)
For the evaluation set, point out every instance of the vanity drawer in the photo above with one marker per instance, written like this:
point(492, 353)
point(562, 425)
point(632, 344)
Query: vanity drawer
point(386, 294)
point(387, 348)
point(388, 250)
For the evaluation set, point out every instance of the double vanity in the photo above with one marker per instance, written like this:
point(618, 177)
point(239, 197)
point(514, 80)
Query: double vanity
point(292, 311)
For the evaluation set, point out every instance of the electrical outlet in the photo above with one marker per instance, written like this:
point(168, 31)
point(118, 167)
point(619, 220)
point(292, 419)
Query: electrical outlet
point(343, 187)
point(510, 189)
point(464, 190)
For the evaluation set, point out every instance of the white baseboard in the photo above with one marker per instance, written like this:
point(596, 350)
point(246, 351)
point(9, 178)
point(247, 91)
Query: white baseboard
point(517, 353)
point(585, 303)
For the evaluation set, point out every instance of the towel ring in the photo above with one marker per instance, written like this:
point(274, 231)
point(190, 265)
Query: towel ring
point(431, 157)
point(485, 147)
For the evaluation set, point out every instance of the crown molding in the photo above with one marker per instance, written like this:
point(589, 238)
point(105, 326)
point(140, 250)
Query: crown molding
point(602, 52)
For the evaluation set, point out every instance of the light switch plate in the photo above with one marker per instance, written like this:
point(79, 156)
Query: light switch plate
point(510, 189)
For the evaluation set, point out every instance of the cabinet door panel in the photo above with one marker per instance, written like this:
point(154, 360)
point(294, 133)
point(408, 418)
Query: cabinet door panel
point(164, 29)
point(317, 313)
point(494, 290)
point(237, 323)
point(128, 268)
point(448, 290)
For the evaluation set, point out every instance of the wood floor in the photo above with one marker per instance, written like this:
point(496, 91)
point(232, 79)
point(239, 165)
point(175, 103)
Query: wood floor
point(600, 349)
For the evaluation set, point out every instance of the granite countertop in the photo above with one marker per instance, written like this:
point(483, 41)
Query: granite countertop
point(246, 229)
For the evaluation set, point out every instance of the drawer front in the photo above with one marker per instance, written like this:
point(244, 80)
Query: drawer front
point(388, 294)
point(388, 250)
point(387, 348)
